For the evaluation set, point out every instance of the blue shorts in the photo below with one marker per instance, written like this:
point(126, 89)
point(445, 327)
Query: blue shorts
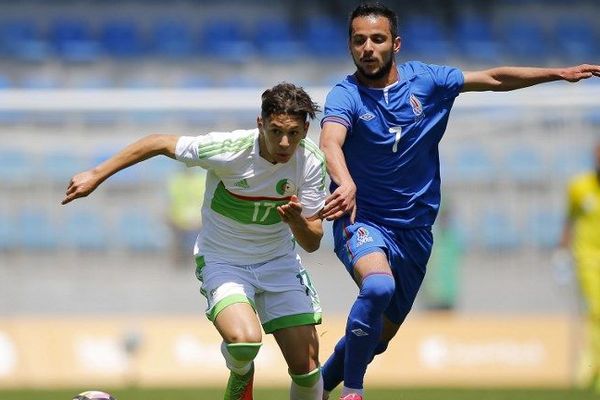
point(407, 251)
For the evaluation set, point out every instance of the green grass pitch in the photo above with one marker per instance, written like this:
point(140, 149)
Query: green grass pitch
point(282, 394)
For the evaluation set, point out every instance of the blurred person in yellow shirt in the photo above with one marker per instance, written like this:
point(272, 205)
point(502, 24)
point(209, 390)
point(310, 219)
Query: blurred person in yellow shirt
point(582, 235)
point(186, 192)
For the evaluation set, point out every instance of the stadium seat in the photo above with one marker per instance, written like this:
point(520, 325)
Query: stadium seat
point(57, 167)
point(424, 37)
point(121, 38)
point(472, 164)
point(85, 230)
point(73, 41)
point(498, 231)
point(476, 40)
point(569, 161)
point(172, 38)
point(276, 40)
point(576, 40)
point(22, 40)
point(17, 167)
point(225, 40)
point(524, 165)
point(36, 231)
point(8, 232)
point(544, 228)
point(325, 38)
point(141, 231)
point(525, 40)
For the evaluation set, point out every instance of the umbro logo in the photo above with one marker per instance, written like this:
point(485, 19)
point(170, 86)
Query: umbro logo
point(359, 332)
point(367, 116)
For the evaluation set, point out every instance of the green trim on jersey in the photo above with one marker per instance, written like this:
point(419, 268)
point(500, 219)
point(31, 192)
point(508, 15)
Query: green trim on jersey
point(310, 146)
point(225, 146)
point(252, 211)
point(227, 301)
point(292, 320)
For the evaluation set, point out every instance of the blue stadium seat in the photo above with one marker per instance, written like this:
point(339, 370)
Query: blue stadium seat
point(73, 41)
point(36, 231)
point(424, 37)
point(225, 40)
point(85, 230)
point(8, 232)
point(571, 161)
point(276, 40)
point(22, 40)
point(525, 40)
point(476, 39)
point(576, 40)
point(325, 37)
point(121, 38)
point(472, 164)
point(141, 231)
point(59, 166)
point(524, 164)
point(17, 167)
point(498, 231)
point(172, 38)
point(544, 228)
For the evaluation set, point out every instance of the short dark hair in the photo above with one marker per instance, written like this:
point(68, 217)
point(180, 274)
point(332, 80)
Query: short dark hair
point(287, 98)
point(375, 9)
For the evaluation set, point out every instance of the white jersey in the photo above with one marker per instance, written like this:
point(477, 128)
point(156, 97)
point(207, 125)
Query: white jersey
point(240, 223)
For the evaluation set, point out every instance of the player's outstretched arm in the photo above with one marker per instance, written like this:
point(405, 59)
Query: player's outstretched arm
point(503, 79)
point(307, 231)
point(343, 199)
point(86, 182)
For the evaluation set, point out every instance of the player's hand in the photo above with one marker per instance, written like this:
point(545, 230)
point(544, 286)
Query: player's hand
point(584, 71)
point(81, 185)
point(291, 212)
point(342, 201)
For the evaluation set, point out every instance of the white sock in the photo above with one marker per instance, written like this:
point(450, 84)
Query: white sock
point(347, 391)
point(236, 366)
point(315, 392)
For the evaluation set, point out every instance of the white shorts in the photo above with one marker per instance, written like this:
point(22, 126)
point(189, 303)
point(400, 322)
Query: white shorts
point(280, 290)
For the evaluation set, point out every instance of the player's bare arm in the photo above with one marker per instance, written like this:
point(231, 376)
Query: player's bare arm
point(86, 182)
point(510, 78)
point(307, 231)
point(343, 199)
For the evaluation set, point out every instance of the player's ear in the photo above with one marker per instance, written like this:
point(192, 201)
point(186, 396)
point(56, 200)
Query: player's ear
point(306, 125)
point(397, 44)
point(259, 122)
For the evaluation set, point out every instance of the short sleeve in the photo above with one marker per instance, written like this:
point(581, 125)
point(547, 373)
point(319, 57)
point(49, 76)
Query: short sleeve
point(448, 79)
point(312, 192)
point(339, 107)
point(213, 149)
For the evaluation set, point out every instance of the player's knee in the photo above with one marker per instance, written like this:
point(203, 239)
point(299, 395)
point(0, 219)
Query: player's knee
point(243, 351)
point(378, 288)
point(308, 379)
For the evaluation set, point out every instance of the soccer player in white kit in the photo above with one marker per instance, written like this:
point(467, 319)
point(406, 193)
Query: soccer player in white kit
point(265, 188)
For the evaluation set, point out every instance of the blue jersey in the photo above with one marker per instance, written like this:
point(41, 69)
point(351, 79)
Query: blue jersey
point(391, 148)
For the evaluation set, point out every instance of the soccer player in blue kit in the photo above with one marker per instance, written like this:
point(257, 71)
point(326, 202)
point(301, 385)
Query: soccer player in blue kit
point(380, 135)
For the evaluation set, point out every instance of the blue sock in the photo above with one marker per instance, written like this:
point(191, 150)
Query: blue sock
point(333, 369)
point(363, 329)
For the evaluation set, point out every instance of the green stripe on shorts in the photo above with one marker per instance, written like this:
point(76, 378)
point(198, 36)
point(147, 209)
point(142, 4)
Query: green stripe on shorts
point(292, 320)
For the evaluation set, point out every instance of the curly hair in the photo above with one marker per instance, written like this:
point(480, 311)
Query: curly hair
point(287, 98)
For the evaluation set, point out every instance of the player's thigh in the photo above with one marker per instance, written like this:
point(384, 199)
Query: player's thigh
point(362, 249)
point(300, 347)
point(238, 323)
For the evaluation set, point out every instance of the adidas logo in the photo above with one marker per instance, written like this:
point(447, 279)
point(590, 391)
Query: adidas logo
point(242, 184)
point(359, 332)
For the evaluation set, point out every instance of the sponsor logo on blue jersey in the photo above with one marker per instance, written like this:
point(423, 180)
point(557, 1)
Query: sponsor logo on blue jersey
point(417, 107)
point(367, 116)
